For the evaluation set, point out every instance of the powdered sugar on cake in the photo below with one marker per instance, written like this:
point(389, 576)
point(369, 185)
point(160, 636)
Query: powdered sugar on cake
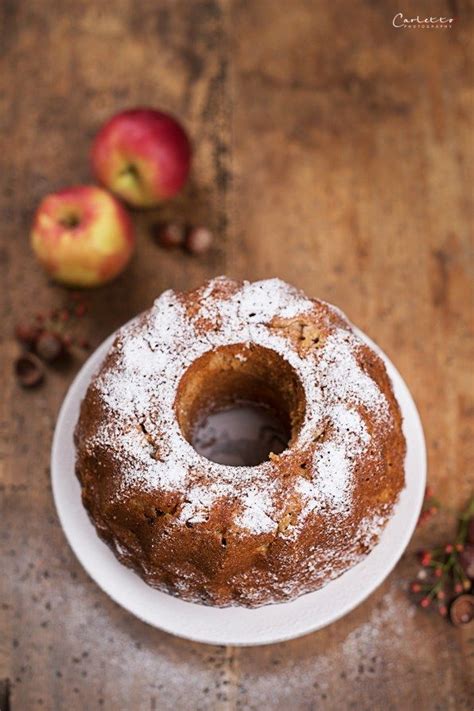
point(153, 352)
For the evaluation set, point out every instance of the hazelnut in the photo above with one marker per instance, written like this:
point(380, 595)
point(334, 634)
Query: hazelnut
point(26, 334)
point(170, 235)
point(198, 240)
point(49, 346)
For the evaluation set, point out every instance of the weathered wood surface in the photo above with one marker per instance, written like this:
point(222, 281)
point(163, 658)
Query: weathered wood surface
point(332, 150)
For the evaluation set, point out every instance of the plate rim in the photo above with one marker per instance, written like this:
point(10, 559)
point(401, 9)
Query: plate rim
point(72, 400)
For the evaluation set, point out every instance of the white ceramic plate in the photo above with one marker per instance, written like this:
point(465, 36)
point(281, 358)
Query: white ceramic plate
point(233, 625)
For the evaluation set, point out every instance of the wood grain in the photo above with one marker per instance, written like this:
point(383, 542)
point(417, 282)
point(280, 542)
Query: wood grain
point(330, 150)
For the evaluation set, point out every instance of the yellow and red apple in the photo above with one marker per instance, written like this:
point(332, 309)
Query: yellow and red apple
point(82, 236)
point(143, 156)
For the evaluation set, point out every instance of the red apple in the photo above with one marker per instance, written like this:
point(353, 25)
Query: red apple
point(142, 155)
point(82, 236)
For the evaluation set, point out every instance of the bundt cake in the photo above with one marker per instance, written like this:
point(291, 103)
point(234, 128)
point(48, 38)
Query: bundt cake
point(240, 535)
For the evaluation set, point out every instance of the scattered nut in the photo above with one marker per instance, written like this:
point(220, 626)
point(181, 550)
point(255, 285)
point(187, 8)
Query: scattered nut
point(29, 370)
point(461, 611)
point(49, 346)
point(26, 334)
point(198, 240)
point(171, 235)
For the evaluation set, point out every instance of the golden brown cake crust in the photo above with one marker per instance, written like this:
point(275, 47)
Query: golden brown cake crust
point(225, 535)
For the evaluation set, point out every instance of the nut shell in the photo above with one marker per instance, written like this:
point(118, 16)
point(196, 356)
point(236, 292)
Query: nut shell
point(29, 370)
point(461, 611)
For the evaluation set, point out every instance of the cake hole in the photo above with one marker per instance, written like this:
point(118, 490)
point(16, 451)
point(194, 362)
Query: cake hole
point(241, 434)
point(239, 404)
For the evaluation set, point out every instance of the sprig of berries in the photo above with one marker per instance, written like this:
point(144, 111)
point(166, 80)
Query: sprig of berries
point(48, 337)
point(447, 571)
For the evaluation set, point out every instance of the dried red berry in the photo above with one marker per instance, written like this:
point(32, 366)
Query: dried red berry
point(448, 548)
point(170, 235)
point(425, 602)
point(415, 587)
point(27, 334)
point(458, 588)
point(425, 558)
point(461, 611)
point(459, 547)
point(428, 492)
point(29, 370)
point(441, 595)
point(438, 572)
point(49, 346)
point(443, 610)
point(198, 240)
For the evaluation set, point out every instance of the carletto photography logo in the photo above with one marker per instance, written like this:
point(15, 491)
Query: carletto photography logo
point(420, 22)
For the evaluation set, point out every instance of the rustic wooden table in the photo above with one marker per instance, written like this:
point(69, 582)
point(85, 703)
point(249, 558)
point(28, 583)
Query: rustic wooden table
point(332, 150)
